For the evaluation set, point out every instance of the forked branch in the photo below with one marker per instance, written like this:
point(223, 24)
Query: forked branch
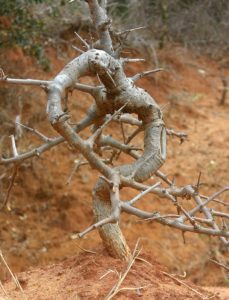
point(116, 98)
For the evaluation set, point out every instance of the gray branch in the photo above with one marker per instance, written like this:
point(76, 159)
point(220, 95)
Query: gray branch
point(116, 99)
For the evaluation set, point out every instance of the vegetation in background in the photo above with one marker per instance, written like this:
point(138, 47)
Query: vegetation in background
point(203, 25)
point(20, 27)
point(26, 23)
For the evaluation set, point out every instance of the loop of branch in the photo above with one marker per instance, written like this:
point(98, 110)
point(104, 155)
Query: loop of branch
point(117, 94)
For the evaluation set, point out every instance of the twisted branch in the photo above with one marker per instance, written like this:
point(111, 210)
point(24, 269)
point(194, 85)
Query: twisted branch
point(115, 100)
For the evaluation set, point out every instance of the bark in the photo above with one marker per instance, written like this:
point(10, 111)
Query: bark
point(117, 94)
point(117, 91)
point(111, 234)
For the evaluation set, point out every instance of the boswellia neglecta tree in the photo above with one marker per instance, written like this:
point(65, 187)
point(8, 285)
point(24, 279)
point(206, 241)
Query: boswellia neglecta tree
point(116, 99)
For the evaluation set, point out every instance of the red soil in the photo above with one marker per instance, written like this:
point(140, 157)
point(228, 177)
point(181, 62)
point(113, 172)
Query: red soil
point(46, 212)
point(92, 276)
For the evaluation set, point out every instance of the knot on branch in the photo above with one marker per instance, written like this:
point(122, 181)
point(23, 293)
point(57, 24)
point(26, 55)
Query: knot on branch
point(61, 118)
point(104, 25)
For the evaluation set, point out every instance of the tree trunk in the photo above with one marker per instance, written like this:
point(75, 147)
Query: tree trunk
point(111, 234)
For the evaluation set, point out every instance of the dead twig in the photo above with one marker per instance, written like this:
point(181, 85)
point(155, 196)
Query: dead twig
point(108, 272)
point(14, 277)
point(36, 132)
point(116, 288)
point(85, 250)
point(77, 49)
point(146, 73)
point(77, 164)
point(4, 291)
point(15, 171)
point(6, 201)
point(181, 135)
point(132, 201)
point(219, 264)
point(186, 285)
point(82, 40)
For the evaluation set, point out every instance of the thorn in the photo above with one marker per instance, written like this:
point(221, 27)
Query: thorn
point(13, 144)
point(127, 31)
point(198, 183)
point(82, 40)
point(183, 236)
point(173, 181)
point(77, 49)
point(128, 60)
point(106, 180)
point(142, 74)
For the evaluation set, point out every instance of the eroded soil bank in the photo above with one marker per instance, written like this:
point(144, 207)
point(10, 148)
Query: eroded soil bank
point(46, 212)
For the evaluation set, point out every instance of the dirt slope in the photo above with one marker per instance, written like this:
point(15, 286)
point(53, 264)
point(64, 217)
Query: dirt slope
point(92, 276)
point(46, 212)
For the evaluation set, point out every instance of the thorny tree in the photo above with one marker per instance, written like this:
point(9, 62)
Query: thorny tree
point(115, 99)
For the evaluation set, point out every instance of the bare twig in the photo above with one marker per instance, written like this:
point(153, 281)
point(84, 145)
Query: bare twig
point(108, 272)
point(132, 201)
point(146, 73)
point(198, 183)
point(95, 135)
point(4, 291)
point(127, 118)
point(17, 283)
point(77, 49)
point(82, 40)
point(14, 147)
point(216, 200)
point(36, 132)
point(6, 200)
point(77, 164)
point(181, 135)
point(202, 205)
point(15, 170)
point(93, 90)
point(85, 250)
point(130, 60)
point(184, 284)
point(219, 214)
point(116, 288)
point(138, 288)
point(41, 83)
point(88, 120)
point(164, 177)
point(18, 128)
point(219, 264)
point(127, 31)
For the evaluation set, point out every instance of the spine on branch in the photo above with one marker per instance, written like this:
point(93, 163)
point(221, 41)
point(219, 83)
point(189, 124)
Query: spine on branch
point(115, 95)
